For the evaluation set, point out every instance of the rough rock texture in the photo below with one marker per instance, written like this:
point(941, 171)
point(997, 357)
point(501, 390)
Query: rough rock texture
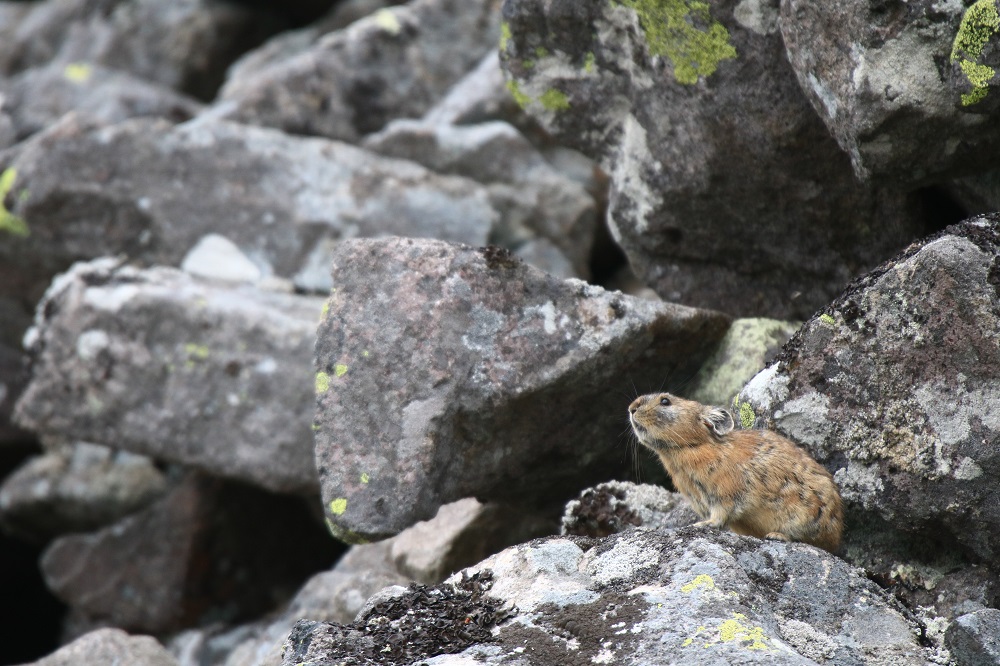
point(445, 371)
point(642, 597)
point(13, 378)
point(908, 89)
point(894, 388)
point(36, 98)
point(152, 191)
point(159, 363)
point(395, 63)
point(77, 488)
point(110, 646)
point(974, 639)
point(209, 550)
point(749, 345)
point(615, 506)
point(478, 97)
point(185, 44)
point(726, 189)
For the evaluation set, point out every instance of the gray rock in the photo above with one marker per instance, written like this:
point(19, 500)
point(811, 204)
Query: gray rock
point(912, 97)
point(208, 551)
point(615, 506)
point(974, 639)
point(446, 372)
point(77, 488)
point(641, 597)
point(110, 646)
point(36, 98)
point(894, 388)
point(186, 45)
point(480, 96)
point(13, 378)
point(395, 63)
point(727, 190)
point(156, 362)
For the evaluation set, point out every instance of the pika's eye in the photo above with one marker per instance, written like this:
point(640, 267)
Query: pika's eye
point(665, 402)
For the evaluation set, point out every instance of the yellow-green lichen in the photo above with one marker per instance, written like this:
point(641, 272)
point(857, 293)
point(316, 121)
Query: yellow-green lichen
point(528, 64)
point(196, 352)
point(554, 100)
point(522, 99)
point(747, 415)
point(733, 630)
point(315, 427)
point(365, 354)
point(322, 383)
point(541, 52)
point(340, 369)
point(325, 311)
point(504, 35)
point(365, 478)
point(685, 32)
point(828, 319)
point(588, 63)
point(700, 581)
point(346, 536)
point(388, 21)
point(979, 24)
point(77, 72)
point(10, 223)
point(338, 506)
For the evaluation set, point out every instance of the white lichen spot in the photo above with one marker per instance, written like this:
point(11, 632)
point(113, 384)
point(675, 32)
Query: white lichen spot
point(387, 20)
point(757, 16)
point(967, 470)
point(112, 298)
point(635, 159)
point(605, 656)
point(91, 343)
point(765, 390)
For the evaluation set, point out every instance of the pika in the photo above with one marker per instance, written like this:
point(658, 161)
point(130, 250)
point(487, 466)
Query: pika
point(752, 482)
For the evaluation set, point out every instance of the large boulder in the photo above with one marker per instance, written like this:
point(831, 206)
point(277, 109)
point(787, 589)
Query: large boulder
point(727, 190)
point(207, 374)
point(110, 646)
point(894, 388)
point(693, 595)
point(445, 371)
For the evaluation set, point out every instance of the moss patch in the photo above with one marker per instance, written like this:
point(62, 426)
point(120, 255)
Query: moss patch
point(980, 23)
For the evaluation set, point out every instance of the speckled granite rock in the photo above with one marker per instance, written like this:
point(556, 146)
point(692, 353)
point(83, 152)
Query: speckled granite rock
point(109, 646)
point(908, 89)
point(641, 597)
point(727, 190)
point(446, 371)
point(974, 639)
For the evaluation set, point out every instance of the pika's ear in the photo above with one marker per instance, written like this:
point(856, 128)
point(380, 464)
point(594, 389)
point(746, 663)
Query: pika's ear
point(718, 420)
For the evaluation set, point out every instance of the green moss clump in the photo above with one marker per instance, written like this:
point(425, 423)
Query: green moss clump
point(979, 24)
point(685, 32)
point(554, 100)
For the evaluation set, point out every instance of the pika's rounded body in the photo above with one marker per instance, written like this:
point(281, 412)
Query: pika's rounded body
point(753, 482)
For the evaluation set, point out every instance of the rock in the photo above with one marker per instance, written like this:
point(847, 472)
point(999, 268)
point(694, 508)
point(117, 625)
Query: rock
point(110, 646)
point(185, 45)
point(913, 97)
point(216, 257)
point(727, 191)
point(543, 202)
point(156, 362)
point(446, 372)
point(615, 506)
point(478, 97)
point(77, 488)
point(152, 191)
point(974, 639)
point(209, 550)
point(641, 597)
point(36, 98)
point(395, 63)
point(749, 345)
point(893, 387)
point(13, 379)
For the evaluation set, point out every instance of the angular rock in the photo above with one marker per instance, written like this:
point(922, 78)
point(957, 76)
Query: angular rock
point(478, 97)
point(395, 63)
point(446, 371)
point(152, 191)
point(186, 45)
point(209, 550)
point(77, 488)
point(36, 98)
point(615, 506)
point(726, 190)
point(907, 89)
point(974, 639)
point(156, 362)
point(642, 597)
point(110, 646)
point(894, 389)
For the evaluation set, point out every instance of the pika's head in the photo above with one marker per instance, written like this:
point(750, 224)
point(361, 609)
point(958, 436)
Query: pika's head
point(662, 421)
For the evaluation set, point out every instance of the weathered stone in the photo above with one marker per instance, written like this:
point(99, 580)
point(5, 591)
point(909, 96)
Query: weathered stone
point(110, 646)
point(974, 639)
point(894, 388)
point(615, 506)
point(186, 45)
point(157, 362)
point(641, 597)
point(36, 98)
point(77, 488)
point(446, 371)
point(13, 378)
point(908, 89)
point(395, 63)
point(478, 97)
point(152, 191)
point(208, 550)
point(727, 191)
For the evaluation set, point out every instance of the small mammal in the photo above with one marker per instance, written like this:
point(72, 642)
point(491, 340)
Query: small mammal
point(752, 482)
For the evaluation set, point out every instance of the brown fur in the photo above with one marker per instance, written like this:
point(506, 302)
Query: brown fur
point(752, 482)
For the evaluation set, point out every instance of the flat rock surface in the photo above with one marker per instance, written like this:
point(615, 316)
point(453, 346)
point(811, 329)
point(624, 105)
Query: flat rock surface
point(155, 361)
point(446, 371)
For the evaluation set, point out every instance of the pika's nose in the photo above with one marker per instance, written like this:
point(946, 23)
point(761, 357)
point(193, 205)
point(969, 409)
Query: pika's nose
point(634, 407)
